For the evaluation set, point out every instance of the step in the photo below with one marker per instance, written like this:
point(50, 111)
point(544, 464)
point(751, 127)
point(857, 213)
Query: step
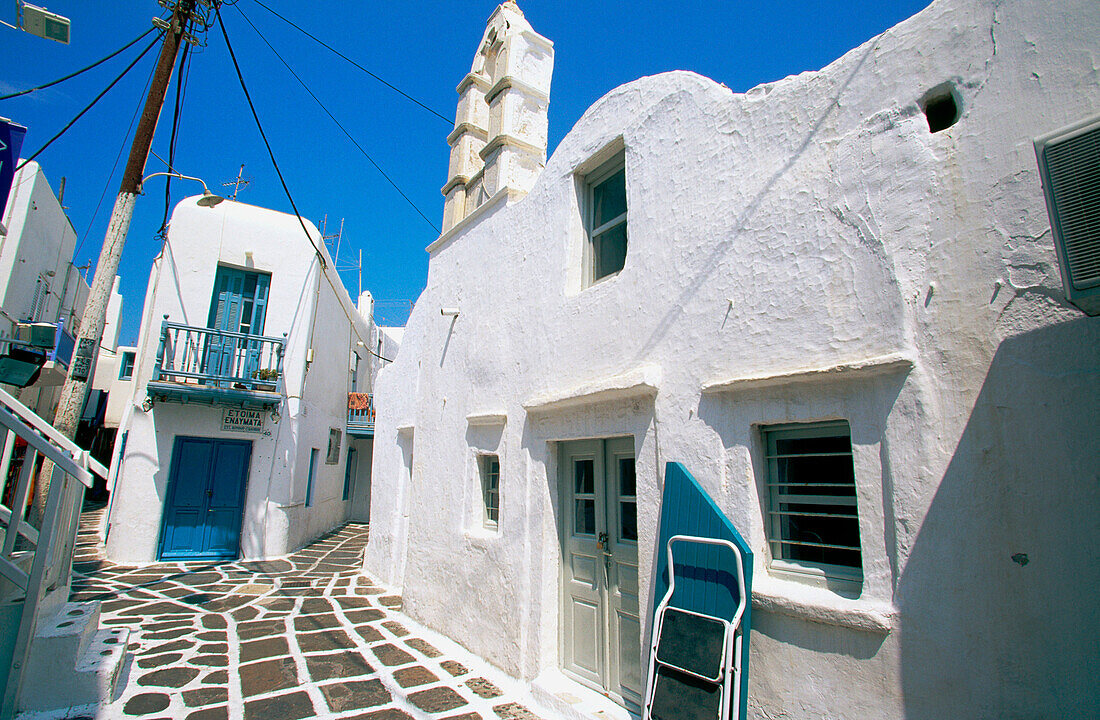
point(72, 661)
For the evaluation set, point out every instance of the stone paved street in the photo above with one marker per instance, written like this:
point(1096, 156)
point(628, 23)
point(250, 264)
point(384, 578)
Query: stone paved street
point(299, 637)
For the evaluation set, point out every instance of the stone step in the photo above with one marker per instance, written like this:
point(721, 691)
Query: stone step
point(72, 661)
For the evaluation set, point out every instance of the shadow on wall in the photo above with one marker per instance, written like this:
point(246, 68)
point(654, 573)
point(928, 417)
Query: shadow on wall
point(999, 600)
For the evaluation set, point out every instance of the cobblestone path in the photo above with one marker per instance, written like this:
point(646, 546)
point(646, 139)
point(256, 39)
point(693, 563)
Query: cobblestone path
point(299, 637)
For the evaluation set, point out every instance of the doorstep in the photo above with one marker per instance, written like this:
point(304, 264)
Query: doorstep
point(571, 700)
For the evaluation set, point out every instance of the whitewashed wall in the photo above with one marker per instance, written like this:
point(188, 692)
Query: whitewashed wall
point(308, 304)
point(812, 223)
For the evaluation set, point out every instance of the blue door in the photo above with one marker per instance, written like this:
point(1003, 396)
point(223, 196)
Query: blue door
point(202, 518)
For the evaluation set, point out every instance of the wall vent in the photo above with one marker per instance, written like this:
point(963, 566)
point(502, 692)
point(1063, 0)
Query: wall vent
point(1069, 163)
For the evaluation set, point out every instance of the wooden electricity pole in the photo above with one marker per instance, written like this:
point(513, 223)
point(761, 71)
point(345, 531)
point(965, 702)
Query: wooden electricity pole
point(73, 393)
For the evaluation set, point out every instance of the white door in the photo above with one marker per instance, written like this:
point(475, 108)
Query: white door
point(601, 632)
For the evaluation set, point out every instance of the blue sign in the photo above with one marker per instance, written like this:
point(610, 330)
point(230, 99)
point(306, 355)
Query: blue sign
point(11, 142)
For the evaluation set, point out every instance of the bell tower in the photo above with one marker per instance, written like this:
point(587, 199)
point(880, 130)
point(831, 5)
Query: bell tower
point(500, 135)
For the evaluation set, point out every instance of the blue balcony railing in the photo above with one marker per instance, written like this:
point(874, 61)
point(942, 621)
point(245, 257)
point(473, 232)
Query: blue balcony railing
point(361, 414)
point(218, 359)
point(63, 345)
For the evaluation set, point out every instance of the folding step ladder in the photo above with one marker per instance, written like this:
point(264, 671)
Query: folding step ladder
point(695, 658)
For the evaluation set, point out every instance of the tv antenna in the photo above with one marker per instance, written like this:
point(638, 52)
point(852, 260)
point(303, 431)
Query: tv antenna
point(239, 183)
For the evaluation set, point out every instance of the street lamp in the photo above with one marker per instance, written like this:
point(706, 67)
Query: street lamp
point(208, 198)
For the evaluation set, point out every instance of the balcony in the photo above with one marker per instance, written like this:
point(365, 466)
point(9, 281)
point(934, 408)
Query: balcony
point(361, 415)
point(197, 364)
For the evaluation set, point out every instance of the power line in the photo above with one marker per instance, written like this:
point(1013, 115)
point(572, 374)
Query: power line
point(93, 102)
point(72, 75)
point(110, 175)
point(342, 128)
point(256, 117)
point(181, 81)
point(322, 43)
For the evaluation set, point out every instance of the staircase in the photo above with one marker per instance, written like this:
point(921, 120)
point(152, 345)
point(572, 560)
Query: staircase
point(52, 653)
point(70, 645)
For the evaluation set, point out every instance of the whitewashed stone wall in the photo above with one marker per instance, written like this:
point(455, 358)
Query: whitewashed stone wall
point(810, 224)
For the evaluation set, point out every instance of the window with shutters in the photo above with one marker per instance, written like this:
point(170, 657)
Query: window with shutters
point(1069, 162)
point(38, 302)
point(239, 302)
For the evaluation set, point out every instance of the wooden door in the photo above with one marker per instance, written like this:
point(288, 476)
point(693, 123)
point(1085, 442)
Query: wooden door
point(600, 622)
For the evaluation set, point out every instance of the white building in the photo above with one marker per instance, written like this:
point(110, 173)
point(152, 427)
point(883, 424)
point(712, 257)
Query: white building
point(39, 285)
point(248, 350)
point(856, 263)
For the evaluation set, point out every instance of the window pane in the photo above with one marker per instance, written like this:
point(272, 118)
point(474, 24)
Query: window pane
point(585, 523)
point(812, 500)
point(609, 199)
point(610, 251)
point(628, 520)
point(490, 487)
point(583, 476)
point(627, 479)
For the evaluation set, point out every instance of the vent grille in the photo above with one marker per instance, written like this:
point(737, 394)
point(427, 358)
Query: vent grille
point(1073, 172)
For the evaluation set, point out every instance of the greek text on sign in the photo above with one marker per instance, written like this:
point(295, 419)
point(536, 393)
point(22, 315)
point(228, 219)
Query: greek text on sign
point(83, 357)
point(238, 420)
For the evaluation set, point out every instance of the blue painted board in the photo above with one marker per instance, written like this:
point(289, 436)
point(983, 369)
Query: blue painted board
point(706, 579)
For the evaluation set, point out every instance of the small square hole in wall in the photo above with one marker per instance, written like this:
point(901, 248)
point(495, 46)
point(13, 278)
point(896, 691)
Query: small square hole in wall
point(941, 107)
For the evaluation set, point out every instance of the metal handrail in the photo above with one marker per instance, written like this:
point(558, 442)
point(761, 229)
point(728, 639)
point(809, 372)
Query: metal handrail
point(48, 546)
point(199, 355)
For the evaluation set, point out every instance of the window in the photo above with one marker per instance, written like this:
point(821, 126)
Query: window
point(605, 219)
point(313, 453)
point(812, 523)
point(239, 302)
point(41, 295)
point(1068, 160)
point(332, 457)
point(490, 488)
point(126, 366)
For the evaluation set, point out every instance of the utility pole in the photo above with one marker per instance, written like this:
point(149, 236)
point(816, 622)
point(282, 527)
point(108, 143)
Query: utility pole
point(75, 389)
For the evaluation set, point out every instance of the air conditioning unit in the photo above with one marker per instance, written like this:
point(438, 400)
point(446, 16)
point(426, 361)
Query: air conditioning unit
point(39, 335)
point(1069, 163)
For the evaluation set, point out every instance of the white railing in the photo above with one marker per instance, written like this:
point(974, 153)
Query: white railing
point(35, 560)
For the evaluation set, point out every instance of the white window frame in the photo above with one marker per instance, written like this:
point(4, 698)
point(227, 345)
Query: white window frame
point(591, 181)
point(488, 465)
point(773, 499)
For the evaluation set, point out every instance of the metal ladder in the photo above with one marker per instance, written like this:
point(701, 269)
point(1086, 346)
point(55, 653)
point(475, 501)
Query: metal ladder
point(695, 658)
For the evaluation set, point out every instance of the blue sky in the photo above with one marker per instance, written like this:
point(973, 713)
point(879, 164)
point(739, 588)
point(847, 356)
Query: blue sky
point(423, 48)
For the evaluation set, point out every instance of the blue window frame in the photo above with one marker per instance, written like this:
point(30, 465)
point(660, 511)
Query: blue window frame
point(313, 453)
point(126, 366)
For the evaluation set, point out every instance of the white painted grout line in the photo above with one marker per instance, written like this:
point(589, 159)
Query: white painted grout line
point(235, 703)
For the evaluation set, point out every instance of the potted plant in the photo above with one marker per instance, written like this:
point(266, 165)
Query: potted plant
point(266, 378)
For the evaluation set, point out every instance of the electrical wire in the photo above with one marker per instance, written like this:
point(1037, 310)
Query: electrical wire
point(111, 175)
point(256, 117)
point(181, 81)
point(92, 103)
point(72, 75)
point(337, 122)
point(333, 50)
